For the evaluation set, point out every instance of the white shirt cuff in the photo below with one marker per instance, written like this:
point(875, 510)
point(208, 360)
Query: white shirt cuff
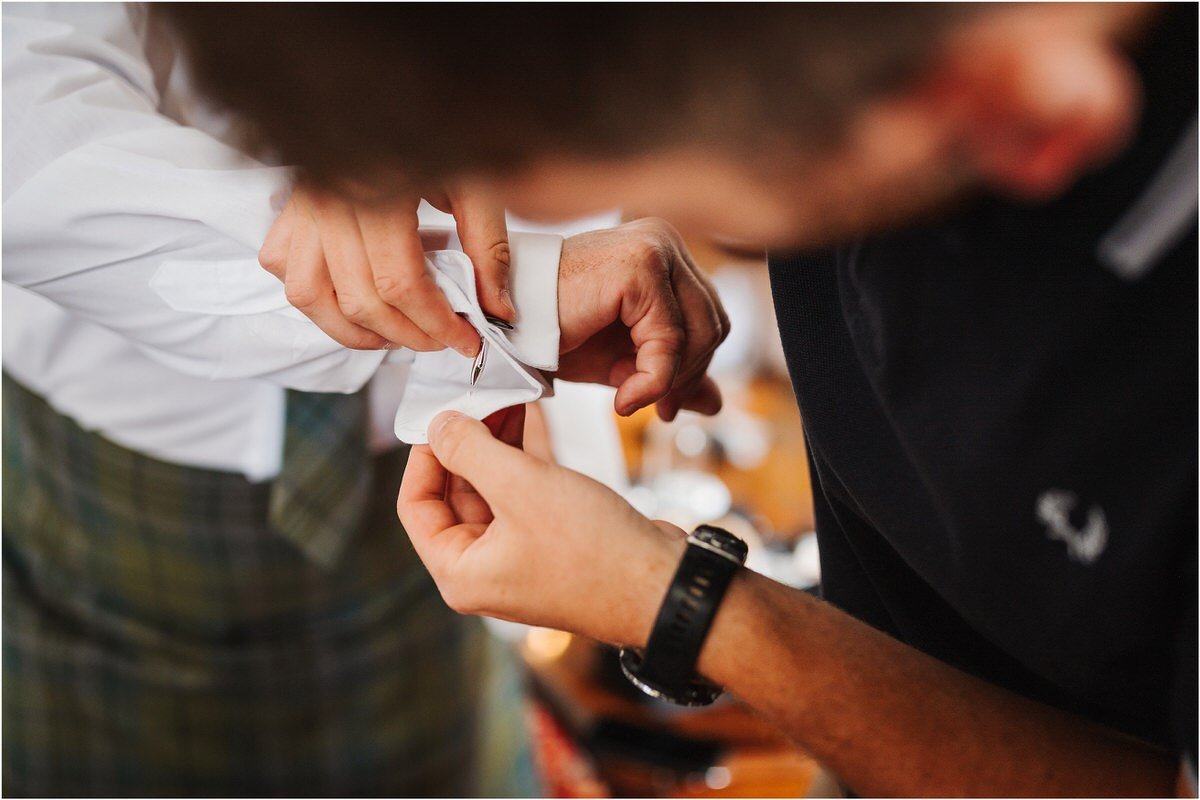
point(511, 373)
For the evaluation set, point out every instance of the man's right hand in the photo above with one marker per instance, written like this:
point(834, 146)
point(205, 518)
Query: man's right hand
point(636, 313)
point(358, 270)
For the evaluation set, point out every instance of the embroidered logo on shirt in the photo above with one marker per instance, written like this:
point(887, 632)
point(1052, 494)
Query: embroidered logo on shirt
point(1085, 545)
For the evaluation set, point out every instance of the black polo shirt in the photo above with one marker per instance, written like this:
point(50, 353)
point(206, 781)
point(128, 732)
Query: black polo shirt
point(1002, 423)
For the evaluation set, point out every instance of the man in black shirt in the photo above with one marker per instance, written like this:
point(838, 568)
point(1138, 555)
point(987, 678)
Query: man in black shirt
point(1000, 405)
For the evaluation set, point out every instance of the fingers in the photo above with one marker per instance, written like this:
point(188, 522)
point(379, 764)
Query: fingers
point(711, 291)
point(309, 288)
point(423, 490)
point(508, 425)
point(469, 507)
point(358, 270)
point(437, 532)
point(273, 255)
point(466, 448)
point(703, 397)
point(392, 244)
point(676, 338)
point(706, 327)
point(656, 328)
point(484, 236)
point(350, 271)
point(434, 239)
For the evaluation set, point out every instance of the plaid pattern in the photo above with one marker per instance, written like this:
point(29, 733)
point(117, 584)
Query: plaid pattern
point(161, 639)
point(324, 485)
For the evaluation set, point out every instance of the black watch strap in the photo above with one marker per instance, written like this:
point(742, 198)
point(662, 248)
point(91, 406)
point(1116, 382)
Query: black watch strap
point(667, 668)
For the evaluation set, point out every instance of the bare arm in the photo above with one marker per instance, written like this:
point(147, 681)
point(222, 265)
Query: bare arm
point(884, 717)
point(890, 720)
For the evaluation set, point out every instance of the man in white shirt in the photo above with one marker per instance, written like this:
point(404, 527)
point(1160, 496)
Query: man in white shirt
point(205, 587)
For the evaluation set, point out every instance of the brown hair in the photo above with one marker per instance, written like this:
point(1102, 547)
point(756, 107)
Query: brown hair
point(435, 90)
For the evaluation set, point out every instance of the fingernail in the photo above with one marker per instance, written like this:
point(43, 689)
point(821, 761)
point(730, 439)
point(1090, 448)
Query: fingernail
point(506, 301)
point(470, 351)
point(439, 423)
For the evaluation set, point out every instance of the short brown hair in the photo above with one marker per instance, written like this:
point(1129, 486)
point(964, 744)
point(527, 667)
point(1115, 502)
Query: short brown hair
point(435, 90)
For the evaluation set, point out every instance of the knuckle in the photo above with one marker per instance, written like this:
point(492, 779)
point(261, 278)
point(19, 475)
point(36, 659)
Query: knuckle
point(660, 384)
point(386, 286)
point(654, 253)
point(452, 439)
point(713, 335)
point(674, 337)
point(353, 308)
point(393, 288)
point(659, 230)
point(725, 327)
point(656, 225)
point(468, 608)
point(451, 596)
point(458, 597)
point(302, 295)
point(404, 509)
point(272, 259)
point(501, 253)
point(360, 341)
point(723, 321)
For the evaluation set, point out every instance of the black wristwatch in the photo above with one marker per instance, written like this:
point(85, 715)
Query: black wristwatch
point(667, 670)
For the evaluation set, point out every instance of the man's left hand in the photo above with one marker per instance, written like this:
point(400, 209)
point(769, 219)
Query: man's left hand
point(505, 534)
point(636, 313)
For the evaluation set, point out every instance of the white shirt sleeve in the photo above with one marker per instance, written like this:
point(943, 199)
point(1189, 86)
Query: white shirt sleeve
point(122, 214)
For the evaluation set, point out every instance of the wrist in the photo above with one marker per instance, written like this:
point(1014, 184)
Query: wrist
point(666, 667)
point(649, 584)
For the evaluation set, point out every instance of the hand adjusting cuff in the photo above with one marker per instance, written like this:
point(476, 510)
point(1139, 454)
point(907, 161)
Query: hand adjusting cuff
point(667, 670)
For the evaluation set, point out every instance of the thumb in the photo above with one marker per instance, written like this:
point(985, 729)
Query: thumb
point(484, 236)
point(466, 447)
point(656, 328)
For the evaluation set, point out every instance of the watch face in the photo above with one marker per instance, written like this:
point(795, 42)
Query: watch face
point(722, 540)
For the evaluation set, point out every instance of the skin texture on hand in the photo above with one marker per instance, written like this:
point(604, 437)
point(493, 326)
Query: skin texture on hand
point(581, 554)
point(636, 313)
point(357, 269)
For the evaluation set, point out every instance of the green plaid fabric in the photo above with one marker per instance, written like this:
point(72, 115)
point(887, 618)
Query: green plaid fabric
point(324, 485)
point(162, 638)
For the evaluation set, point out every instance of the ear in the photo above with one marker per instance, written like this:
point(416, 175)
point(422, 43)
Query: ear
point(1038, 102)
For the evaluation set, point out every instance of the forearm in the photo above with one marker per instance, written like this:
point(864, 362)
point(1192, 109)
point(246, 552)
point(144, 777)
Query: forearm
point(884, 717)
point(890, 720)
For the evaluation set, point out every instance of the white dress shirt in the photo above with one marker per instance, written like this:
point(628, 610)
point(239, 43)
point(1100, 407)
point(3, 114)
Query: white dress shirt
point(133, 300)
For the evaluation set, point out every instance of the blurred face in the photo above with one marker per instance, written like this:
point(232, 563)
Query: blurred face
point(1022, 101)
point(882, 175)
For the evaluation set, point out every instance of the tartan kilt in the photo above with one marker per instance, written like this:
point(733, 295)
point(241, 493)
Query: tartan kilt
point(160, 639)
